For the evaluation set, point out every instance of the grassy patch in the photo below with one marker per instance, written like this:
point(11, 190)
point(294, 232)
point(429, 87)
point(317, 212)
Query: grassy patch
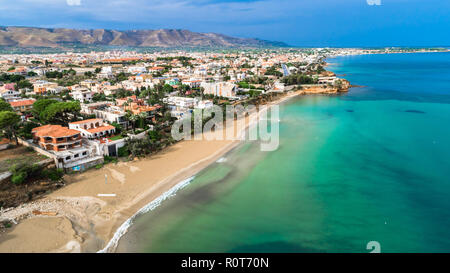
point(116, 137)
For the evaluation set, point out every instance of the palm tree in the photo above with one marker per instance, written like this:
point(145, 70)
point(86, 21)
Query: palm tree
point(133, 118)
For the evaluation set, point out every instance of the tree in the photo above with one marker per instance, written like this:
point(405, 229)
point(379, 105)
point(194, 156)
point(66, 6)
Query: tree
point(25, 129)
point(61, 112)
point(133, 118)
point(40, 105)
point(8, 122)
point(4, 106)
point(24, 84)
point(99, 97)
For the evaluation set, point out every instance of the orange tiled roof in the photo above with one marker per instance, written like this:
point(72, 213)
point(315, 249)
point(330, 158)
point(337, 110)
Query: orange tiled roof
point(100, 129)
point(22, 103)
point(86, 121)
point(54, 131)
point(157, 68)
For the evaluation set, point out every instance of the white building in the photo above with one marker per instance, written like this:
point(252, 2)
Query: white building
point(222, 89)
point(93, 128)
point(82, 95)
point(9, 95)
point(204, 104)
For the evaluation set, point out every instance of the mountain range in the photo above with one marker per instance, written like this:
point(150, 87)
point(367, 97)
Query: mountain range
point(59, 37)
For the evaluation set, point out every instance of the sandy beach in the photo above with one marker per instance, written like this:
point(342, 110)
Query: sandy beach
point(85, 221)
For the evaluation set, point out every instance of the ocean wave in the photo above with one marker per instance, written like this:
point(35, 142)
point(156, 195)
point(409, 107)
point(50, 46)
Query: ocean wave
point(112, 244)
point(221, 160)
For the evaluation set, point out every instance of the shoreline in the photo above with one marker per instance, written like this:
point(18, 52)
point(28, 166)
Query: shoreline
point(90, 223)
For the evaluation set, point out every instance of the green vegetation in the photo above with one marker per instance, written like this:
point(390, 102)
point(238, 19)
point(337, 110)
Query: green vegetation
point(8, 123)
point(274, 71)
point(20, 172)
point(4, 106)
point(53, 174)
point(110, 159)
point(55, 112)
point(298, 79)
point(123, 152)
point(18, 79)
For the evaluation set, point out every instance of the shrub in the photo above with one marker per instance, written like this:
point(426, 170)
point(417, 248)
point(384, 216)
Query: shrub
point(109, 159)
point(123, 152)
point(53, 174)
point(19, 177)
point(99, 166)
point(20, 172)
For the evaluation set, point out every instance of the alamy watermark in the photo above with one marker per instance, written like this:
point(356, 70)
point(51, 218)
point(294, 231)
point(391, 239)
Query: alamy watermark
point(236, 123)
point(374, 2)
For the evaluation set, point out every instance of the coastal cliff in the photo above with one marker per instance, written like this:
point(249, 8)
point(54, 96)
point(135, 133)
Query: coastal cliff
point(341, 86)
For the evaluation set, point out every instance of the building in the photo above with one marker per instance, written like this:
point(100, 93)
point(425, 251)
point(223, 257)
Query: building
point(42, 87)
point(22, 106)
point(56, 138)
point(66, 147)
point(192, 83)
point(9, 94)
point(105, 73)
point(82, 95)
point(221, 89)
point(111, 114)
point(204, 104)
point(93, 128)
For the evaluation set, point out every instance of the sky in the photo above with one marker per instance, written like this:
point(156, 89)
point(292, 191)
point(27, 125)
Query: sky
point(306, 23)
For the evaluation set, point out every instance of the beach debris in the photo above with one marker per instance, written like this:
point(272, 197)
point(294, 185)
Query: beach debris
point(106, 195)
point(46, 213)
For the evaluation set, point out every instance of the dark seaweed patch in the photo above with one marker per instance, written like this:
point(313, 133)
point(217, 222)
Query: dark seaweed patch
point(415, 111)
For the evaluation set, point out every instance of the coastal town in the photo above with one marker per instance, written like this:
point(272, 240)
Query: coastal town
point(65, 114)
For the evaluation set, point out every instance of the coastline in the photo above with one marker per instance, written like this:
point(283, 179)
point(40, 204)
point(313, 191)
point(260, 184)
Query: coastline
point(86, 222)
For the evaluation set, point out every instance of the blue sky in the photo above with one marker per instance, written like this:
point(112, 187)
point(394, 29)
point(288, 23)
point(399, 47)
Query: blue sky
point(296, 22)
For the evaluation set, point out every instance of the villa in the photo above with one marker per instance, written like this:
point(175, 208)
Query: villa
point(93, 128)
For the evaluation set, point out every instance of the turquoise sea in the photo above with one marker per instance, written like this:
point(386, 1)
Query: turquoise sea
point(370, 165)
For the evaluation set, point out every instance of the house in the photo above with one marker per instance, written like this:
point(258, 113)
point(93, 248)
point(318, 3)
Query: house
point(106, 72)
point(192, 83)
point(204, 104)
point(221, 89)
point(110, 114)
point(93, 128)
point(42, 87)
point(89, 84)
point(9, 94)
point(66, 147)
point(82, 95)
point(327, 80)
point(137, 69)
point(22, 106)
point(56, 138)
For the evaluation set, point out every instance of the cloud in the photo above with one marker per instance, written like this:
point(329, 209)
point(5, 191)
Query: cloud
point(73, 2)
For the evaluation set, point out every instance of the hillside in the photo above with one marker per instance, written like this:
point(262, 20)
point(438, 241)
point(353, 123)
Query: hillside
point(57, 37)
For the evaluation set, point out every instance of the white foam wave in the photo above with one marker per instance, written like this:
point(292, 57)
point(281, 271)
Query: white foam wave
point(221, 160)
point(112, 244)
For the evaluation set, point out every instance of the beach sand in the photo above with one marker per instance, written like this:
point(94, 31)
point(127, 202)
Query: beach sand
point(86, 222)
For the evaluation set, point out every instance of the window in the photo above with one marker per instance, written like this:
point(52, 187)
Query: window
point(77, 155)
point(84, 153)
point(68, 158)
